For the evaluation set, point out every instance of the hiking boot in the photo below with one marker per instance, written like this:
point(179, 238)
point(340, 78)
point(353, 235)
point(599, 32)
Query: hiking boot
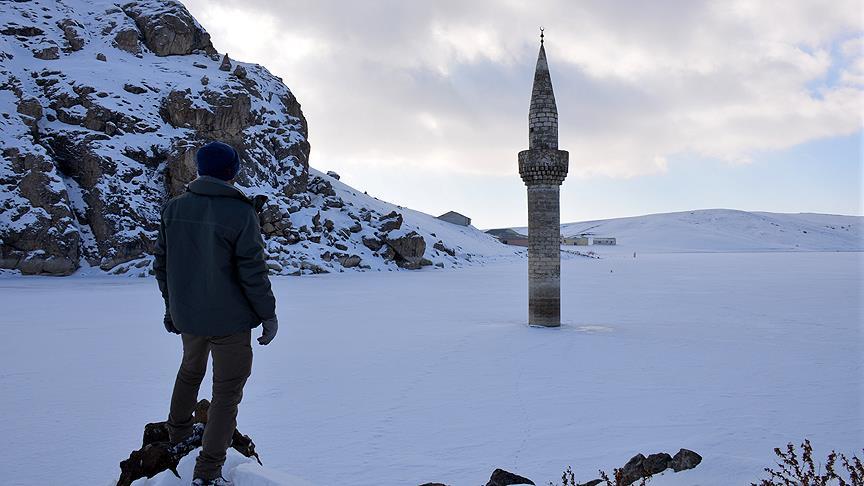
point(220, 481)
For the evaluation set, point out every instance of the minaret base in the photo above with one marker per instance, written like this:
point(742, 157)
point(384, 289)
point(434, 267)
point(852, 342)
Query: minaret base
point(544, 255)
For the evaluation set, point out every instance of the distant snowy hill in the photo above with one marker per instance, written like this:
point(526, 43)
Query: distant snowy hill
point(728, 230)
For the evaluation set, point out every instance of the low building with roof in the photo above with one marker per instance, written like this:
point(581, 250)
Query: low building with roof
point(455, 218)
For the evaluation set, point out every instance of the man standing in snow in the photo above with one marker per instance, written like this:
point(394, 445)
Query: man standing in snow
point(212, 273)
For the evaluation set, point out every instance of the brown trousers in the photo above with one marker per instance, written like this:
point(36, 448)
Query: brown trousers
point(232, 365)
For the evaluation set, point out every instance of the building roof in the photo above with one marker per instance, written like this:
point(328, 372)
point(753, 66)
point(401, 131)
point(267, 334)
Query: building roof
point(453, 213)
point(505, 233)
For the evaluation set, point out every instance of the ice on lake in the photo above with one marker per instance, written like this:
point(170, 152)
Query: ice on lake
point(410, 377)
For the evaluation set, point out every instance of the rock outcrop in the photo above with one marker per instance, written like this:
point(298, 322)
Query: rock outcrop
point(104, 105)
point(641, 468)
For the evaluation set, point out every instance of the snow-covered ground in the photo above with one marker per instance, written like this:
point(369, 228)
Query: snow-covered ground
point(399, 378)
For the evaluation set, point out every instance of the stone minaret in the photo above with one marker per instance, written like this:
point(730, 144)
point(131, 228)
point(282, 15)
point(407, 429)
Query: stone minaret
point(543, 168)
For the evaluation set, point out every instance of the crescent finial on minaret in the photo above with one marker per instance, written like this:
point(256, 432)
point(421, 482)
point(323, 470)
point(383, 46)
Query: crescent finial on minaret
point(541, 35)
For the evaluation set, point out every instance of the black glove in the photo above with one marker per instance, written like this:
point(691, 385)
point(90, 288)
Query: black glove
point(270, 327)
point(169, 323)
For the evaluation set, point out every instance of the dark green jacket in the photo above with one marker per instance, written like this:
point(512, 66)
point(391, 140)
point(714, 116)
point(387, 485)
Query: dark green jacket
point(210, 261)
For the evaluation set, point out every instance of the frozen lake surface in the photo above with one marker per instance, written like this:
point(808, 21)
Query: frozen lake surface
point(403, 378)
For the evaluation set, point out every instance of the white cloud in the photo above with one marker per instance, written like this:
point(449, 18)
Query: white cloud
point(445, 85)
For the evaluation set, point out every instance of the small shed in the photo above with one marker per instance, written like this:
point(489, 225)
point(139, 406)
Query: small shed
point(509, 237)
point(575, 240)
point(598, 240)
point(455, 218)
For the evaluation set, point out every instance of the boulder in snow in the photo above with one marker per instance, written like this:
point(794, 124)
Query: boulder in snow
point(685, 459)
point(501, 477)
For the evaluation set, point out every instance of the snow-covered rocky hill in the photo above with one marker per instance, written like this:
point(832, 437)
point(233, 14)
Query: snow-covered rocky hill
point(103, 106)
point(728, 230)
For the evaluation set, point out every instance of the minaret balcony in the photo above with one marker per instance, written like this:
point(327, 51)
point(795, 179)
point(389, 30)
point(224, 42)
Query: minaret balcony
point(543, 166)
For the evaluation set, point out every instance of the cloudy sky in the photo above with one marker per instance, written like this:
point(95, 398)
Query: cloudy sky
point(663, 106)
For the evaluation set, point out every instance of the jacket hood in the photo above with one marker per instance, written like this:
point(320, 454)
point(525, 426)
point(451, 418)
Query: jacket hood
point(214, 187)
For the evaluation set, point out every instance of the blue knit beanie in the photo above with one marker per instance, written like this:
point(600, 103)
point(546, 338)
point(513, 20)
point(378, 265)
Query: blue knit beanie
point(218, 160)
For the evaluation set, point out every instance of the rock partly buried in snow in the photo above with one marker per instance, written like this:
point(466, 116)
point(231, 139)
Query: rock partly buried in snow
point(440, 246)
point(656, 463)
point(390, 221)
point(501, 477)
point(593, 482)
point(685, 459)
point(639, 466)
point(409, 245)
point(633, 471)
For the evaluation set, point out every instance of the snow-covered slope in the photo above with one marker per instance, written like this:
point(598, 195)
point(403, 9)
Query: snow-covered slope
point(727, 230)
point(440, 238)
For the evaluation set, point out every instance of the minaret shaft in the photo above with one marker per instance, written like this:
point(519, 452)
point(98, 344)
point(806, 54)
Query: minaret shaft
point(543, 168)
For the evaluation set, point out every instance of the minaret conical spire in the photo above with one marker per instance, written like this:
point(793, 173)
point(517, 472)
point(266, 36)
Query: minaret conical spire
point(543, 114)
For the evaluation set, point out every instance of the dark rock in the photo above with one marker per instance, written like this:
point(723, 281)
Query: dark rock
point(101, 57)
point(22, 31)
point(390, 221)
point(240, 72)
point(50, 242)
point(387, 253)
point(408, 246)
point(276, 267)
point(126, 39)
point(131, 88)
point(373, 244)
point(685, 459)
point(317, 185)
point(199, 65)
point(593, 482)
point(73, 32)
point(168, 28)
point(633, 470)
point(226, 63)
point(501, 477)
point(355, 228)
point(656, 463)
point(333, 202)
point(30, 107)
point(47, 53)
point(350, 261)
point(333, 174)
point(313, 268)
point(440, 246)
